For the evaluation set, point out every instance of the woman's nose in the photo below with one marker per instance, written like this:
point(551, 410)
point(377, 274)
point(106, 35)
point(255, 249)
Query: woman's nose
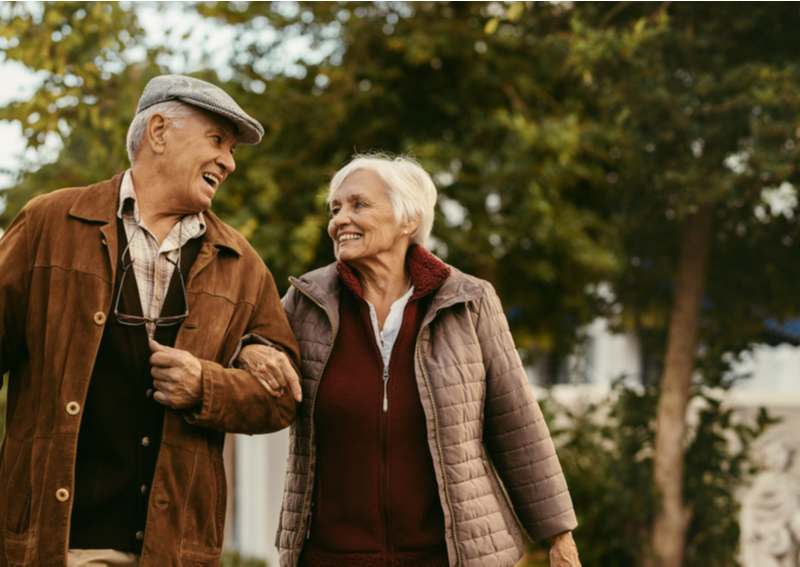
point(342, 218)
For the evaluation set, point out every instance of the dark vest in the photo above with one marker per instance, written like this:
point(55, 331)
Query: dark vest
point(376, 499)
point(121, 427)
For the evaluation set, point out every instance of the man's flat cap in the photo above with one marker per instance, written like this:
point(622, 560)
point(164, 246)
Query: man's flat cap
point(205, 95)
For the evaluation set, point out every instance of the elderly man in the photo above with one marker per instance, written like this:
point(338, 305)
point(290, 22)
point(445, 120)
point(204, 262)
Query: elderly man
point(121, 304)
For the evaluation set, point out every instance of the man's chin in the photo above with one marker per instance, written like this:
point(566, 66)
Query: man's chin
point(206, 197)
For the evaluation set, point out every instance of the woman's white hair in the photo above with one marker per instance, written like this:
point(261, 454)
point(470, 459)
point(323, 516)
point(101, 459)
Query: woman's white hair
point(410, 188)
point(175, 111)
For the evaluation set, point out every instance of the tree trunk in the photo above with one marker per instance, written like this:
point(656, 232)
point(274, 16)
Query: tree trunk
point(672, 519)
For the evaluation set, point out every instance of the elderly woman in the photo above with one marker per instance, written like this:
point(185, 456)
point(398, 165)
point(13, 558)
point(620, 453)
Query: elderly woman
point(419, 441)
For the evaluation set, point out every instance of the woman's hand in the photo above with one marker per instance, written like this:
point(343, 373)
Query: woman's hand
point(564, 552)
point(272, 368)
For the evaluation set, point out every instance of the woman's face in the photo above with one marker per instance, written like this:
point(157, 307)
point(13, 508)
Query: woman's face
point(363, 226)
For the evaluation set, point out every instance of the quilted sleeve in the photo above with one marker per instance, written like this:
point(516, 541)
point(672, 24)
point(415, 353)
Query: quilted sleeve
point(515, 433)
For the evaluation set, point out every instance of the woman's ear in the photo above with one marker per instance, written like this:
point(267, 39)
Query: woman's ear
point(412, 226)
point(155, 132)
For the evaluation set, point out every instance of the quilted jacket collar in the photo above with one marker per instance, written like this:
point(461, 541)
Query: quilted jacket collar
point(429, 274)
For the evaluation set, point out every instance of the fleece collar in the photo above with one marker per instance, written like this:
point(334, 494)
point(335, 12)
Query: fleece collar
point(427, 273)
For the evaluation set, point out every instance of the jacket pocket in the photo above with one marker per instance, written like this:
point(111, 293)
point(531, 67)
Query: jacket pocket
point(204, 524)
point(20, 539)
point(491, 480)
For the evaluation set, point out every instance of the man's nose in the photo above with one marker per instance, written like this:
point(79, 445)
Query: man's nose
point(227, 163)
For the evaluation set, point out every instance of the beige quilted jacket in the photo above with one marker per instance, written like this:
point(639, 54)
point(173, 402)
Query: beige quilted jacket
point(483, 423)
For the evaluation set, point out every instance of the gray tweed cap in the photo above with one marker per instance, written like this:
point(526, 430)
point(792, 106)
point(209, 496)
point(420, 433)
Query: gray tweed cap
point(205, 95)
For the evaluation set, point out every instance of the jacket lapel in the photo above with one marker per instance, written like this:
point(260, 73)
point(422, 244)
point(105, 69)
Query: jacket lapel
point(98, 204)
point(218, 237)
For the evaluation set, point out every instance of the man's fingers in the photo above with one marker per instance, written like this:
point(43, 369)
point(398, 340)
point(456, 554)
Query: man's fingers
point(161, 360)
point(158, 347)
point(159, 373)
point(172, 358)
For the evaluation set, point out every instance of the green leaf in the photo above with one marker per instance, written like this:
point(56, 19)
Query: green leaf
point(491, 26)
point(515, 10)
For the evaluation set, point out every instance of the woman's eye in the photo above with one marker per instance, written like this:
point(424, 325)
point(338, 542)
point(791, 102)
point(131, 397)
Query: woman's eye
point(218, 139)
point(334, 211)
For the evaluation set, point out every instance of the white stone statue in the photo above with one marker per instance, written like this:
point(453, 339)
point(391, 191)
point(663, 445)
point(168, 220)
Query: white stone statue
point(770, 517)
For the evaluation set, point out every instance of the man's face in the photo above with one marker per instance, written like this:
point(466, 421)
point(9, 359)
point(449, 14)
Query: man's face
point(198, 158)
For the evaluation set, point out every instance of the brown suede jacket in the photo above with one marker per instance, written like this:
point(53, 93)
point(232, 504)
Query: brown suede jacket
point(57, 268)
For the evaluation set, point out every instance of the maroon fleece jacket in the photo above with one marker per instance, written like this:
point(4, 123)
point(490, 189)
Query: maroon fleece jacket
point(376, 499)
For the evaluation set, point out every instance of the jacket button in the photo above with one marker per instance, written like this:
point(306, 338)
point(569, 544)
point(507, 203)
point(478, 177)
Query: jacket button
point(140, 535)
point(144, 489)
point(73, 408)
point(62, 494)
point(149, 393)
point(145, 441)
point(100, 318)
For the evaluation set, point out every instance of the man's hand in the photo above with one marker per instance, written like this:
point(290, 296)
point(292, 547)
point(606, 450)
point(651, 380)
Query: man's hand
point(178, 377)
point(272, 368)
point(564, 552)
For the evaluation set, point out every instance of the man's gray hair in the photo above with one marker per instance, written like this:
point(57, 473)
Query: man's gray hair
point(176, 112)
point(410, 188)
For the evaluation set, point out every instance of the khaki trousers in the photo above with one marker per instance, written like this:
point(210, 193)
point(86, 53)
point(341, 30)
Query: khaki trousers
point(101, 558)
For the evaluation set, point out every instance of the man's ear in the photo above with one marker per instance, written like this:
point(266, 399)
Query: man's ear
point(155, 132)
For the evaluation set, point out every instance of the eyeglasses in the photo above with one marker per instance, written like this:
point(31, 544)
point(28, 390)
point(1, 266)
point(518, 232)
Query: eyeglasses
point(137, 320)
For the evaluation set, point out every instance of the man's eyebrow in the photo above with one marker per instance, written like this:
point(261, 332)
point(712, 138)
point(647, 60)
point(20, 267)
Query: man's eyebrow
point(223, 129)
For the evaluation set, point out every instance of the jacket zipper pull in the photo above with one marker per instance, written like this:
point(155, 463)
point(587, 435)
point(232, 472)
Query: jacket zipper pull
point(385, 389)
point(310, 515)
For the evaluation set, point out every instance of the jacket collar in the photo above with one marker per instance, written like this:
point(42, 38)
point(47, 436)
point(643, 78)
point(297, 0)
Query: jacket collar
point(322, 286)
point(427, 272)
point(459, 288)
point(99, 203)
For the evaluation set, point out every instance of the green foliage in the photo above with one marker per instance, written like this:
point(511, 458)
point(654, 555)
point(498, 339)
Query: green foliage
point(708, 107)
point(606, 452)
point(523, 176)
point(234, 559)
point(88, 92)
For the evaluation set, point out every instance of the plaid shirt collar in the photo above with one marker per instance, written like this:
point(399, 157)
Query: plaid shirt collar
point(126, 193)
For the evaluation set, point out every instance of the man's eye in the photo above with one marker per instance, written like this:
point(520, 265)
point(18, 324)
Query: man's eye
point(334, 211)
point(218, 139)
